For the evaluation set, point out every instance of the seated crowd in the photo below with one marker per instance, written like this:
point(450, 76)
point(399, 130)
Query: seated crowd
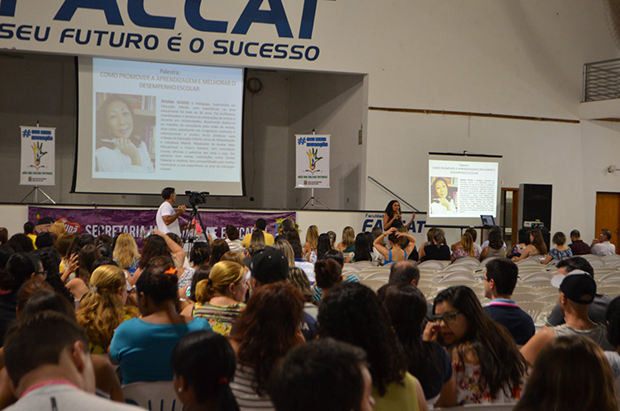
point(276, 324)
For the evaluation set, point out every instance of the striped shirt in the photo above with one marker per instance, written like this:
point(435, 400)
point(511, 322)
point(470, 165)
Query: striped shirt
point(220, 317)
point(245, 394)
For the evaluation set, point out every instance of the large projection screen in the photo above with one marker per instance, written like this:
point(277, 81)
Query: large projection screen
point(144, 126)
point(462, 188)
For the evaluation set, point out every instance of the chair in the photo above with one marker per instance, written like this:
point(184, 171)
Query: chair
point(523, 297)
point(374, 284)
point(154, 396)
point(458, 275)
point(468, 261)
point(378, 276)
point(431, 264)
point(534, 308)
point(538, 276)
point(611, 289)
point(549, 298)
point(611, 277)
point(610, 259)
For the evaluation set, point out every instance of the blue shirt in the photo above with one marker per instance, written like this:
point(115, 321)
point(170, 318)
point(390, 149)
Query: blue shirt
point(143, 349)
point(518, 322)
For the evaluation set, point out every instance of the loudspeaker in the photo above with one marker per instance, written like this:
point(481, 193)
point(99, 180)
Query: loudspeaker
point(535, 204)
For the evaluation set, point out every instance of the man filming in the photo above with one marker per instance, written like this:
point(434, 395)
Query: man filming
point(167, 218)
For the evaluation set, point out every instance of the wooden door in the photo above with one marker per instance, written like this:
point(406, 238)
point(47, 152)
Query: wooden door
point(608, 216)
point(510, 215)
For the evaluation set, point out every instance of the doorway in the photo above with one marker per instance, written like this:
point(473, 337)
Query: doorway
point(608, 215)
point(509, 216)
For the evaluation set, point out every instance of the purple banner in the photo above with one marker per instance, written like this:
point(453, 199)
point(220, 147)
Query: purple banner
point(140, 222)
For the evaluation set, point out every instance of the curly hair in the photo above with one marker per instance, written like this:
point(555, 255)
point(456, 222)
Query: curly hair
point(501, 363)
point(267, 329)
point(101, 310)
point(352, 313)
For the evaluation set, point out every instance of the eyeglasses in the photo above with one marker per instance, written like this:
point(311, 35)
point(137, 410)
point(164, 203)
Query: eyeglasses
point(446, 318)
point(43, 273)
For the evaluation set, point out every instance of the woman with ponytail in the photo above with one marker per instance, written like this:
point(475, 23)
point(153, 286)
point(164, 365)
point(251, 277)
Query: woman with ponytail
point(203, 363)
point(102, 309)
point(143, 345)
point(219, 299)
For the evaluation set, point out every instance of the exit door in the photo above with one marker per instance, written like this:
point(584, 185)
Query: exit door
point(608, 216)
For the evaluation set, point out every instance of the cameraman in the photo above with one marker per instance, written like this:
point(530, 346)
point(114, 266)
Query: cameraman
point(167, 218)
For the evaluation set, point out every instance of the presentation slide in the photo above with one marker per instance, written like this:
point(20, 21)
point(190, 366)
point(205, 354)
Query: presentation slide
point(144, 126)
point(463, 188)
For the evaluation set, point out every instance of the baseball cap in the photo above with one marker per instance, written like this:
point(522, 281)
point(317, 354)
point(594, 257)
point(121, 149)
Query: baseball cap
point(269, 265)
point(578, 286)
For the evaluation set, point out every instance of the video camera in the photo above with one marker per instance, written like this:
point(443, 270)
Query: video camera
point(196, 198)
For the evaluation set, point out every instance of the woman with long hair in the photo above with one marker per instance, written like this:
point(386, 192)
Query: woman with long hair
point(126, 253)
point(426, 361)
point(347, 245)
point(80, 284)
point(353, 313)
point(496, 246)
point(204, 363)
point(118, 147)
point(158, 244)
point(435, 248)
point(219, 247)
point(219, 299)
point(570, 373)
point(323, 246)
point(143, 345)
point(392, 216)
point(466, 249)
point(488, 366)
point(536, 246)
point(102, 310)
point(363, 248)
point(328, 274)
point(524, 240)
point(441, 199)
point(312, 240)
point(200, 254)
point(401, 245)
point(264, 332)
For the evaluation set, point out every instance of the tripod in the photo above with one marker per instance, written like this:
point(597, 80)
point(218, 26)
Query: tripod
point(190, 233)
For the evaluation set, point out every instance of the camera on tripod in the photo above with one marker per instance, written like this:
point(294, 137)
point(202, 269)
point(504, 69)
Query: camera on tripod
point(196, 198)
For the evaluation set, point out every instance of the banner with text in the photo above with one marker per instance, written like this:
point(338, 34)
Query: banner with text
point(38, 156)
point(312, 153)
point(139, 223)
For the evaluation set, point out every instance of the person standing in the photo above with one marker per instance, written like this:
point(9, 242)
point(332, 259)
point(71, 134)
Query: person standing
point(168, 219)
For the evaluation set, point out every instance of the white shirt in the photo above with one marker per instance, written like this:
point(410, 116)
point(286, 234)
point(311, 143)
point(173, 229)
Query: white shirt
point(604, 248)
point(166, 209)
point(438, 208)
point(113, 160)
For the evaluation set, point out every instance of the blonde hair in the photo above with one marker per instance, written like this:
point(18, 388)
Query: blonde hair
point(287, 250)
point(221, 276)
point(58, 228)
point(467, 242)
point(312, 236)
point(348, 236)
point(125, 250)
point(232, 256)
point(101, 310)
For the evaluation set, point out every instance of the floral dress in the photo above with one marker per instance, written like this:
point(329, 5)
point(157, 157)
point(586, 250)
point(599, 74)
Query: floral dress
point(220, 317)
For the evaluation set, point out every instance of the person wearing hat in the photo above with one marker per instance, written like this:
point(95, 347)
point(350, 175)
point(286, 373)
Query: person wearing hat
point(269, 266)
point(577, 292)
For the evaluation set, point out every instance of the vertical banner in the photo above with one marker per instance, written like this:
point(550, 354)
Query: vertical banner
point(38, 156)
point(312, 153)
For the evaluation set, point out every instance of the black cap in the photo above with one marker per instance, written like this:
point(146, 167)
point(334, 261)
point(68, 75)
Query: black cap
point(578, 286)
point(269, 265)
point(45, 220)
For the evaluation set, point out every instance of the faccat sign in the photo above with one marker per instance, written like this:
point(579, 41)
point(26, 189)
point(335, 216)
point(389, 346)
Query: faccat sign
point(170, 28)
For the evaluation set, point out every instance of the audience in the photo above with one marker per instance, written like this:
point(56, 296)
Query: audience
point(571, 373)
point(347, 245)
point(536, 247)
point(324, 244)
point(264, 332)
point(203, 364)
point(561, 251)
point(500, 280)
point(353, 313)
point(219, 299)
point(435, 248)
point(309, 248)
point(598, 308)
point(50, 367)
point(326, 374)
point(80, 284)
point(466, 249)
point(259, 225)
point(142, 346)
point(577, 246)
point(126, 254)
point(496, 245)
point(232, 238)
point(487, 365)
point(600, 246)
point(427, 361)
point(401, 245)
point(524, 240)
point(613, 335)
point(200, 254)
